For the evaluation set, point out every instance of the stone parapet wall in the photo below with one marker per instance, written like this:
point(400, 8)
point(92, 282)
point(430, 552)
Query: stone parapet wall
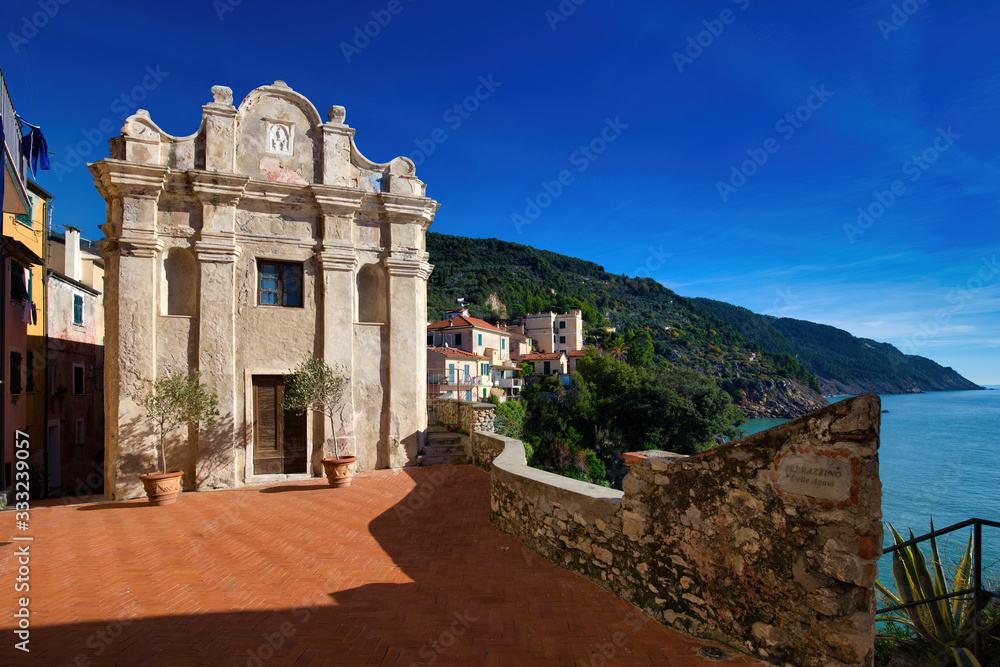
point(486, 447)
point(768, 544)
point(461, 416)
point(442, 412)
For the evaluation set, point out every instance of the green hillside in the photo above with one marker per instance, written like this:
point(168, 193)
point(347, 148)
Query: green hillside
point(499, 280)
point(843, 363)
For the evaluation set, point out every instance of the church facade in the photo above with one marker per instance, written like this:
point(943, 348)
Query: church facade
point(264, 238)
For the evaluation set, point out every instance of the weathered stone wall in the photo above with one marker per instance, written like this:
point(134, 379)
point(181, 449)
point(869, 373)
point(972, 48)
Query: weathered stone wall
point(442, 412)
point(486, 446)
point(267, 182)
point(768, 544)
point(476, 417)
point(460, 416)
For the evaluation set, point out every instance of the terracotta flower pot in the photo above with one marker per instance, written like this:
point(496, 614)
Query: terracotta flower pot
point(340, 472)
point(162, 488)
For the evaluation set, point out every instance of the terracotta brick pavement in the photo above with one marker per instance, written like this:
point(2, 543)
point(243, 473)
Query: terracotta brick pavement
point(403, 568)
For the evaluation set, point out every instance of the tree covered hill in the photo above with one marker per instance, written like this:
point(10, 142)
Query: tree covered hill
point(499, 280)
point(842, 363)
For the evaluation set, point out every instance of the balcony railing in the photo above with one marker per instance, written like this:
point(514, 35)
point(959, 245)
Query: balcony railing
point(12, 133)
point(459, 380)
point(979, 594)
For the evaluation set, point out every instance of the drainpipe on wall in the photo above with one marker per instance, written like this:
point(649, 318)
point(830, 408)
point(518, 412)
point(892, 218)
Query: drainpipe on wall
point(4, 300)
point(46, 218)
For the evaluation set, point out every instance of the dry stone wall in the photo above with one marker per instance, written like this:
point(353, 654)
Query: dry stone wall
point(461, 416)
point(768, 544)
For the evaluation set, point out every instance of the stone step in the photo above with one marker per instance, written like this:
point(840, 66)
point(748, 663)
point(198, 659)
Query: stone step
point(443, 438)
point(443, 459)
point(451, 450)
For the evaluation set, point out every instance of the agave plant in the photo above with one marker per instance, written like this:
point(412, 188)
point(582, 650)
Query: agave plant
point(945, 626)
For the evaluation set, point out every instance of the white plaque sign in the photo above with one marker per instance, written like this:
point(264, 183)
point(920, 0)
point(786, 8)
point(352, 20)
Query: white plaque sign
point(816, 476)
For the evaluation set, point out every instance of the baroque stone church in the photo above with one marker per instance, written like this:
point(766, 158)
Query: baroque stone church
point(261, 239)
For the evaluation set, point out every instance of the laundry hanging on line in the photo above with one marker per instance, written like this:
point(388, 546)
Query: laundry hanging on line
point(35, 148)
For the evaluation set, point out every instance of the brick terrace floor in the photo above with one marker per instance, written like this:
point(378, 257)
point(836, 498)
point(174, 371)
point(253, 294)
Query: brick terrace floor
point(403, 568)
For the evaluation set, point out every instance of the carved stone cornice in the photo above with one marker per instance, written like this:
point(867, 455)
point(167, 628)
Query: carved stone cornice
point(335, 200)
point(217, 250)
point(219, 110)
point(407, 209)
point(286, 194)
point(338, 256)
point(413, 266)
point(144, 247)
point(214, 188)
point(120, 179)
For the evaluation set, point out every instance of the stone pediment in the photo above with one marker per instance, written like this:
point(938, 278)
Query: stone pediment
point(276, 135)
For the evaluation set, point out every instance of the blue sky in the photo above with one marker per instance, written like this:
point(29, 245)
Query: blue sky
point(724, 148)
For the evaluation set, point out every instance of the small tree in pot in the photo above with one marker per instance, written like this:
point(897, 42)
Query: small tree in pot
point(317, 386)
point(170, 401)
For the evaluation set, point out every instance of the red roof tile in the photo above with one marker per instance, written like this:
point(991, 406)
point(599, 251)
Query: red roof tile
point(576, 353)
point(460, 321)
point(455, 352)
point(541, 356)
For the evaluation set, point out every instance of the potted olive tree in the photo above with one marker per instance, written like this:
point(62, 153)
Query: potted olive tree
point(319, 387)
point(170, 401)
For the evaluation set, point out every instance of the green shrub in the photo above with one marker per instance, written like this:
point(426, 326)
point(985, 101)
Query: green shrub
point(942, 627)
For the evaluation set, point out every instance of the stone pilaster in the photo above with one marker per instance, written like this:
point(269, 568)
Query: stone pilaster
point(407, 357)
point(220, 131)
point(131, 250)
point(336, 148)
point(408, 269)
point(217, 253)
point(338, 264)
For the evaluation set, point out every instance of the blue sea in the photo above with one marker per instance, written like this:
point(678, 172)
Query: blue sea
point(939, 458)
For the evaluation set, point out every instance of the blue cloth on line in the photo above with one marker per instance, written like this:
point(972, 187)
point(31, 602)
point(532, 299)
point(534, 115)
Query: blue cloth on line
point(35, 150)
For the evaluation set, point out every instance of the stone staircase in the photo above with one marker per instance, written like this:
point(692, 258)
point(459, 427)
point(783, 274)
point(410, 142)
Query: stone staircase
point(442, 448)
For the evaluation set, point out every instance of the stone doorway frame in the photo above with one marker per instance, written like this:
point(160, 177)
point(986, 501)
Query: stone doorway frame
point(249, 476)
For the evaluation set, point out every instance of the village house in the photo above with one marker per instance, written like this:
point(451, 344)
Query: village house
point(264, 238)
point(457, 374)
point(20, 269)
point(519, 343)
point(29, 229)
point(554, 332)
point(572, 357)
point(459, 330)
point(547, 363)
point(74, 363)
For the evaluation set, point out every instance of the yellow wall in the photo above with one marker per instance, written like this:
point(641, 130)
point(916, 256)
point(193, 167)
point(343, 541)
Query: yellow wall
point(33, 236)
